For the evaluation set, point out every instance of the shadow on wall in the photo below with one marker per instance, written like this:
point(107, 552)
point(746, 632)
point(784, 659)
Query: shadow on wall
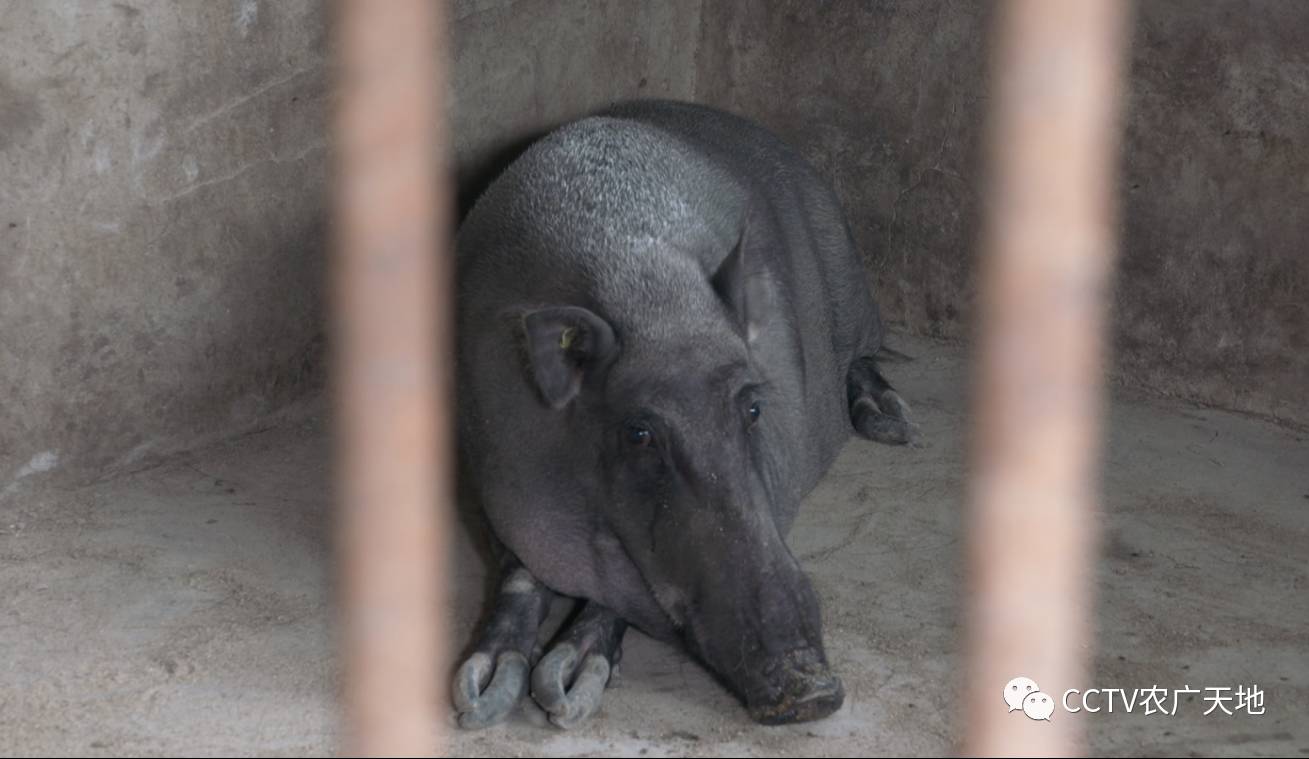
point(473, 178)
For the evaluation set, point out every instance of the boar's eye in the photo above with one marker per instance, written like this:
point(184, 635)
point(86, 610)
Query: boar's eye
point(639, 435)
point(756, 409)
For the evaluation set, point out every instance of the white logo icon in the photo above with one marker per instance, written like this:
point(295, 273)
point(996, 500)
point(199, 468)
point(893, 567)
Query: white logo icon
point(1017, 689)
point(1038, 705)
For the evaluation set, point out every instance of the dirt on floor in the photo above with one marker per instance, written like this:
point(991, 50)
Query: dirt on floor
point(187, 608)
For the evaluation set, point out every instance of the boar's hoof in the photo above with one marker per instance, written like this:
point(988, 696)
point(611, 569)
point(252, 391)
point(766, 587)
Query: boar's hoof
point(876, 409)
point(892, 428)
point(568, 707)
point(483, 696)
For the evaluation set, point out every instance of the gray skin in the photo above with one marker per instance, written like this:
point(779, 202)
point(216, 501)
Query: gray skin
point(665, 336)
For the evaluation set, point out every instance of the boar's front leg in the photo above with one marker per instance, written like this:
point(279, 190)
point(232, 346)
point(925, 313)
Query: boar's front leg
point(569, 682)
point(494, 678)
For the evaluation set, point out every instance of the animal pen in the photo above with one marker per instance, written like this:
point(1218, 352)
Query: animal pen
point(229, 521)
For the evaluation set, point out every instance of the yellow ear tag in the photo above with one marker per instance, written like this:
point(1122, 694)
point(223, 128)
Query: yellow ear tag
point(566, 337)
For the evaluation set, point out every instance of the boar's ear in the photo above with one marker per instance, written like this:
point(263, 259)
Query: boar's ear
point(741, 286)
point(566, 344)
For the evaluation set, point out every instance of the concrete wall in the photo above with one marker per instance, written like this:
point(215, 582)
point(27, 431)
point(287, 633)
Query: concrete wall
point(163, 165)
point(888, 99)
point(1213, 295)
point(161, 224)
point(162, 209)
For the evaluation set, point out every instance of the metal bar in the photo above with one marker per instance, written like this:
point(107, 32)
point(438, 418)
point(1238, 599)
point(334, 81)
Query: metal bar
point(391, 329)
point(1048, 255)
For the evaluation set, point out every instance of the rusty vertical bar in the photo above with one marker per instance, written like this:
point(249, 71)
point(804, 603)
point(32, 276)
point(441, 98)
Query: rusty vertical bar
point(1048, 255)
point(391, 317)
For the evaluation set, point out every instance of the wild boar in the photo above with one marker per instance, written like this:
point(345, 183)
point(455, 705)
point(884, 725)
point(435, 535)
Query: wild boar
point(665, 336)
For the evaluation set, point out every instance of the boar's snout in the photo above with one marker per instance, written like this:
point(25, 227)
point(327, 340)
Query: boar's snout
point(758, 626)
point(799, 687)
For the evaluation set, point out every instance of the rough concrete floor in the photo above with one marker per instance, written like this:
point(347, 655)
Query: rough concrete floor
point(185, 609)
